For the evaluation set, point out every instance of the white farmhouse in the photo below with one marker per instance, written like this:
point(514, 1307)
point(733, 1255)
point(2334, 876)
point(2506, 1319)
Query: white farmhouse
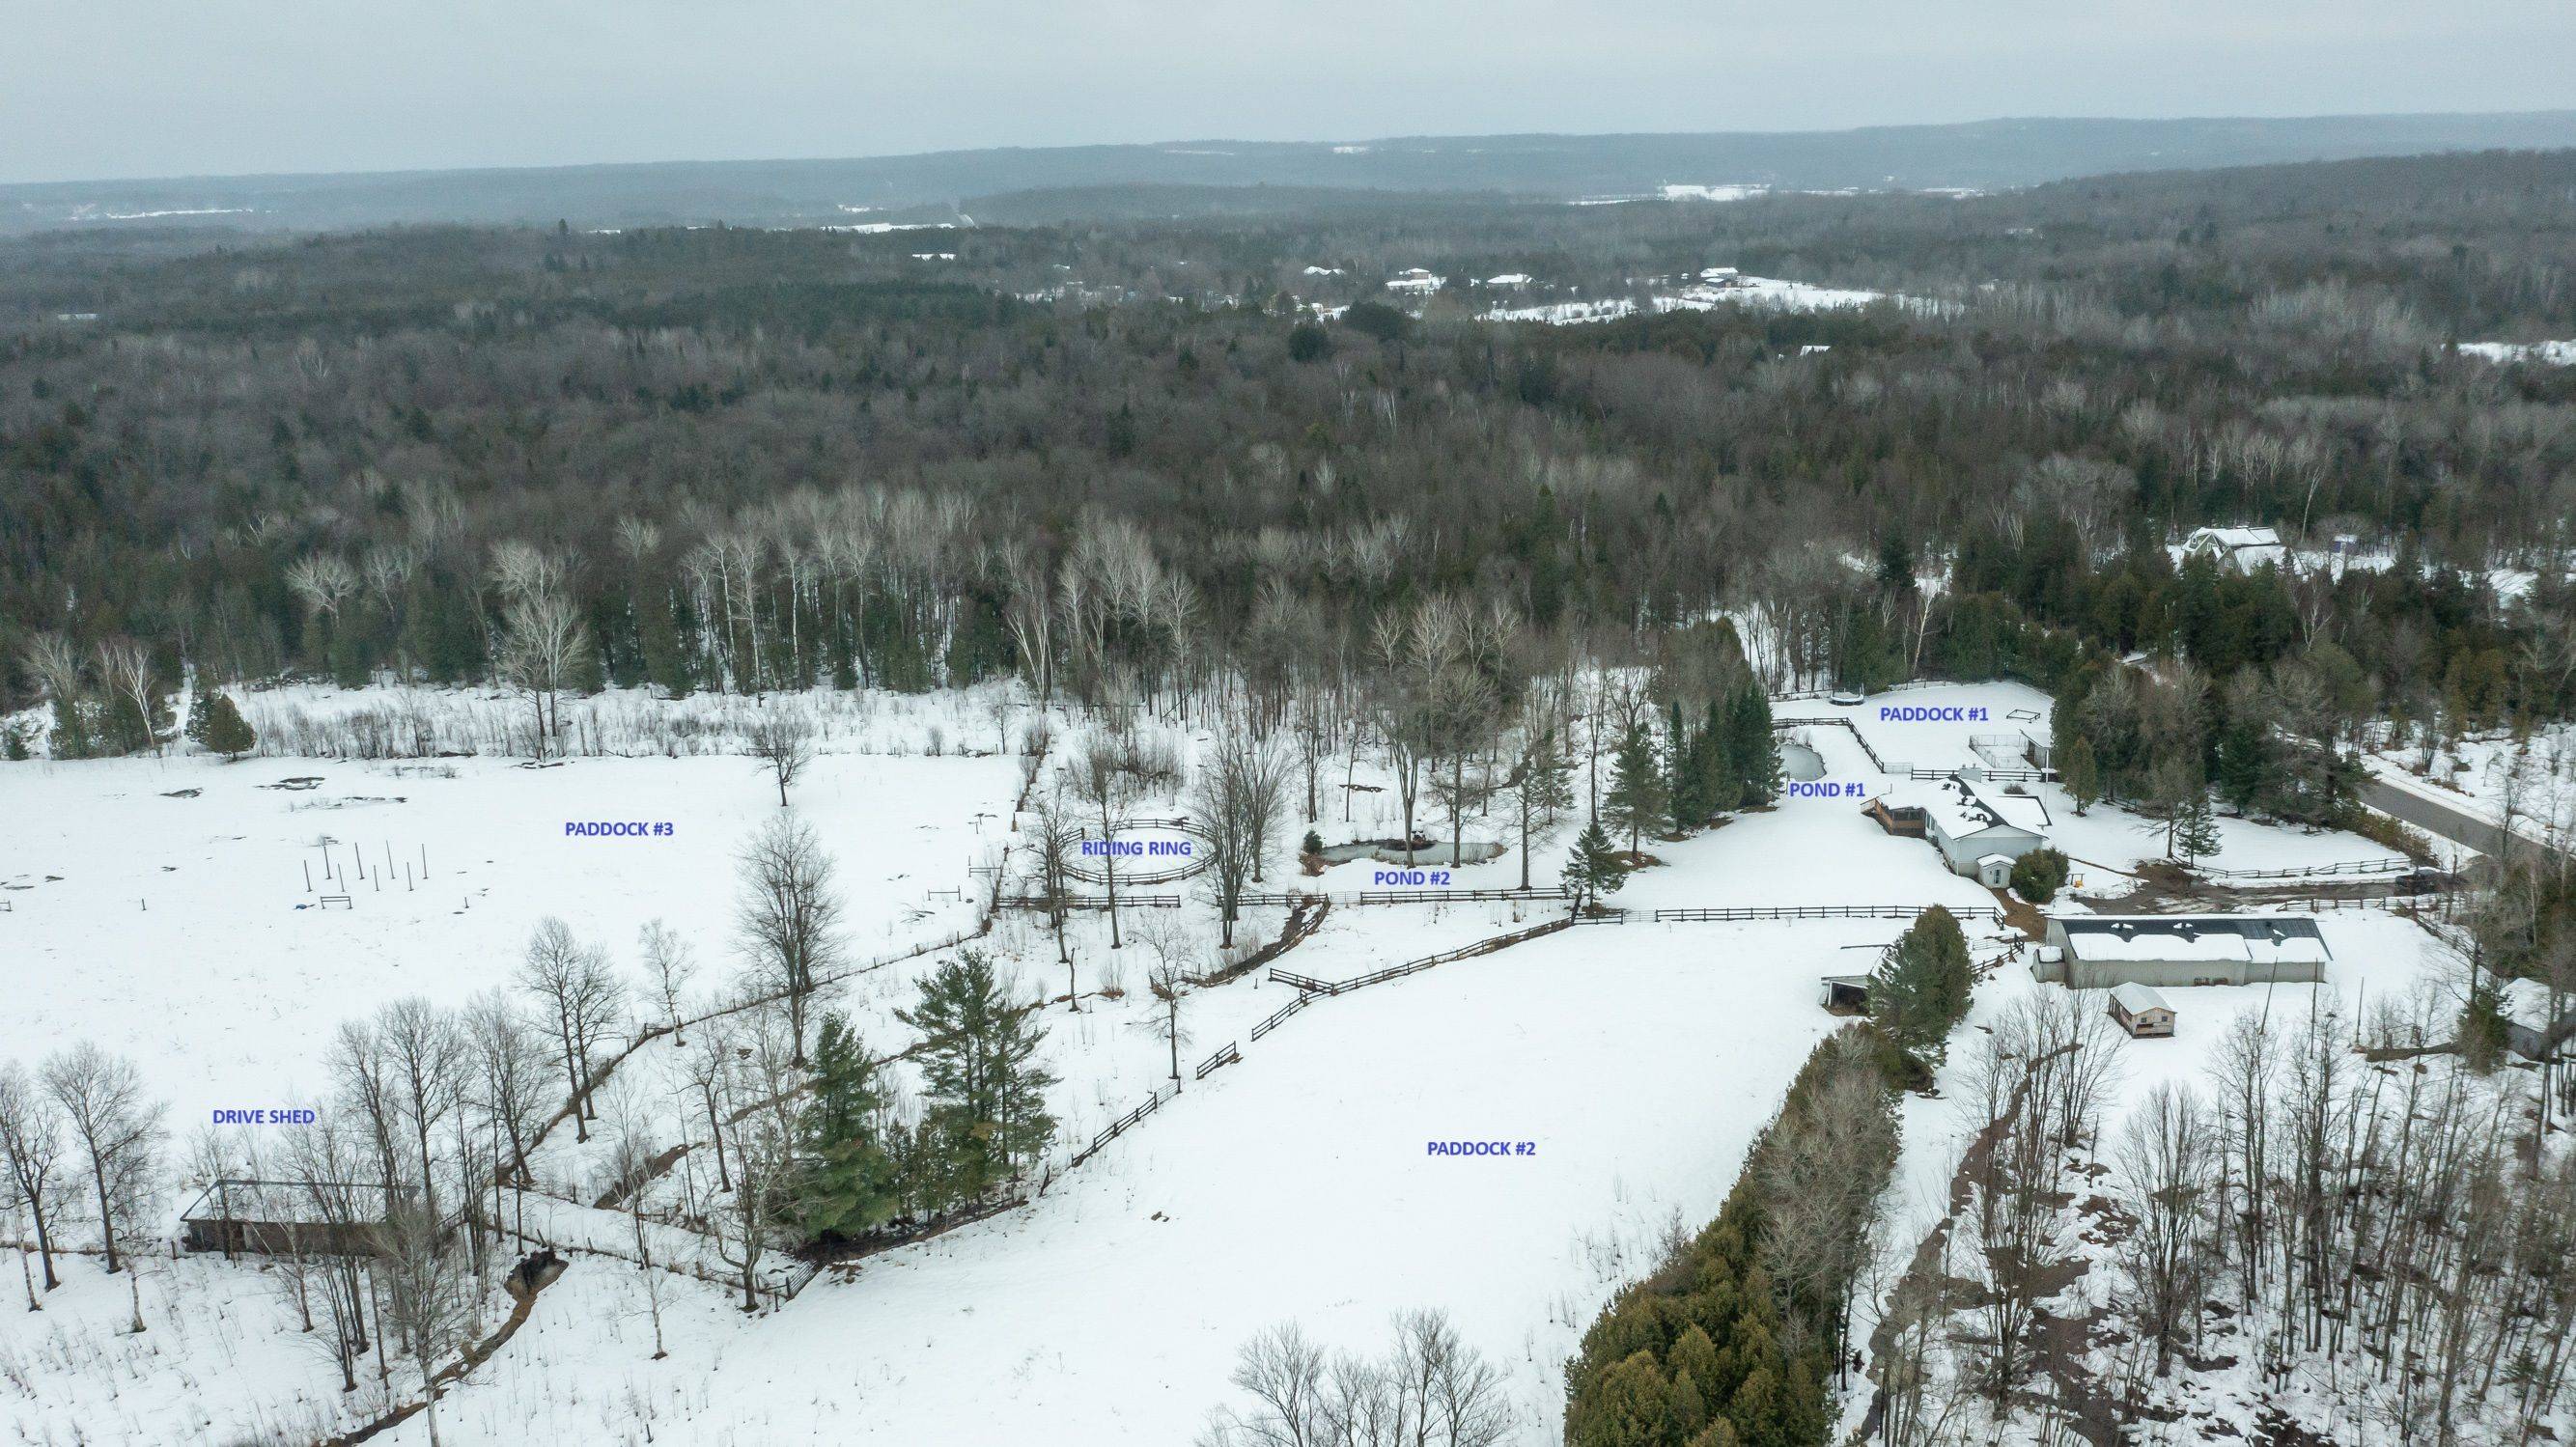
point(1980, 830)
point(2243, 549)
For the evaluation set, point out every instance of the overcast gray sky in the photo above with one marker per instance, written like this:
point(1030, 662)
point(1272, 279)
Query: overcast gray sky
point(125, 88)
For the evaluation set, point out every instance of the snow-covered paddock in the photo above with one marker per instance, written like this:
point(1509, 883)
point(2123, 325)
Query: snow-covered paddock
point(1638, 1061)
point(169, 929)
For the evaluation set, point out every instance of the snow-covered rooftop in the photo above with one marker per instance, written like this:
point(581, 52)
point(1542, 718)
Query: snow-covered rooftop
point(2250, 939)
point(2138, 999)
point(2233, 538)
point(2022, 811)
point(1960, 810)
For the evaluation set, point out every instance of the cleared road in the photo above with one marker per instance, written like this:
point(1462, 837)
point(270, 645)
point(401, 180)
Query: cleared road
point(2455, 824)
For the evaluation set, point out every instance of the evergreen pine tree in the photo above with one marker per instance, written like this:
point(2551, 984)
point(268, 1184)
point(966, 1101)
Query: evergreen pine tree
point(1921, 987)
point(2080, 775)
point(2244, 762)
point(846, 1183)
point(1720, 771)
point(1753, 745)
point(2483, 1026)
point(1637, 796)
point(1684, 800)
point(1802, 1403)
point(227, 732)
point(1690, 1410)
point(986, 1093)
point(1756, 1410)
point(1632, 1407)
point(1695, 1356)
point(198, 713)
point(1594, 868)
point(75, 734)
point(2195, 827)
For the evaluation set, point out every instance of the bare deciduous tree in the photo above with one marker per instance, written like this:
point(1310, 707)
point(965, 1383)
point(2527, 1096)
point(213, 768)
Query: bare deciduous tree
point(790, 917)
point(669, 965)
point(31, 1144)
point(1101, 781)
point(1236, 805)
point(784, 743)
point(579, 996)
point(119, 1130)
point(1054, 835)
point(1430, 1390)
point(543, 643)
point(2166, 1157)
point(429, 1294)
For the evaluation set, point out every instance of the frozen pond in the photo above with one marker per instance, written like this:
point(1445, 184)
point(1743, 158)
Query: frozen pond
point(1798, 761)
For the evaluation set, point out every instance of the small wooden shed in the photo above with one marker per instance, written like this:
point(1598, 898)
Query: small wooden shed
point(2141, 1011)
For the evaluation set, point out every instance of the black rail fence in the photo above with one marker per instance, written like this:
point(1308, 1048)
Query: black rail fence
point(1916, 771)
point(1121, 1125)
point(1292, 899)
point(1078, 869)
point(2397, 903)
point(1847, 726)
point(1328, 988)
point(2315, 871)
point(1309, 989)
point(1981, 771)
point(1280, 1016)
point(1408, 896)
point(1093, 901)
point(1820, 911)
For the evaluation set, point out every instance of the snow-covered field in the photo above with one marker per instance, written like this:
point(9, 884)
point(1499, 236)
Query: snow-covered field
point(181, 930)
point(1293, 1185)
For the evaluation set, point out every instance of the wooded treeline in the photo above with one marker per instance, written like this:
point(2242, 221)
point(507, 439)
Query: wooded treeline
point(752, 459)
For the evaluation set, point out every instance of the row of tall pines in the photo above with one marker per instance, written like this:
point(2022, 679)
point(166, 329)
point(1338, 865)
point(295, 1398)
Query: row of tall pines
point(1740, 1337)
point(1737, 1340)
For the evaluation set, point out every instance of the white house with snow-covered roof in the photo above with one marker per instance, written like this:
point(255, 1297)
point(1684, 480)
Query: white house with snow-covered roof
point(1980, 829)
point(2243, 549)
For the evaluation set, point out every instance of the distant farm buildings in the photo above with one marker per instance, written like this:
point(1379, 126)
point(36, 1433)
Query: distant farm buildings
point(2243, 549)
point(1979, 829)
point(2102, 952)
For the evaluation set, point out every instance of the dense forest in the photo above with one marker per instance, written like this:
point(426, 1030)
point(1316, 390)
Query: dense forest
point(1125, 454)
